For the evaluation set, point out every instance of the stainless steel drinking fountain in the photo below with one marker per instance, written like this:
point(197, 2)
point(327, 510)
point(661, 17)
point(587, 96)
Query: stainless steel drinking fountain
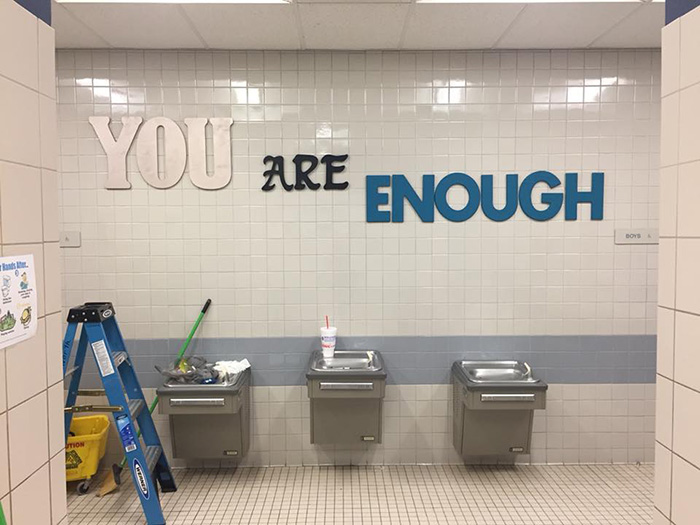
point(208, 421)
point(346, 393)
point(494, 405)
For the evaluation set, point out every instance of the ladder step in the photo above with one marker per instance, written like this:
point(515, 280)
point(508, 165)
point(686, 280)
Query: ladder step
point(136, 406)
point(70, 372)
point(119, 358)
point(152, 456)
point(92, 392)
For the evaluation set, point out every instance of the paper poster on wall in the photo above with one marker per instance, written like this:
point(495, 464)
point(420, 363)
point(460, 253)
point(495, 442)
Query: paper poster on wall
point(18, 302)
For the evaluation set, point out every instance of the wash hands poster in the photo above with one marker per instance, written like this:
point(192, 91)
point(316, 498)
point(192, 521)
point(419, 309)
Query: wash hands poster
point(18, 302)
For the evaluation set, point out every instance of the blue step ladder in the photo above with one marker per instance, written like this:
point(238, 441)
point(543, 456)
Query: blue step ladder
point(101, 334)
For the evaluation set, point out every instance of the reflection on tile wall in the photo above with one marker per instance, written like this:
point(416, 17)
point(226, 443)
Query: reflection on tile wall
point(274, 263)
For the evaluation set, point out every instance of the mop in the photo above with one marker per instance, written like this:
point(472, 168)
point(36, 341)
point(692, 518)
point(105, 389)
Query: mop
point(114, 478)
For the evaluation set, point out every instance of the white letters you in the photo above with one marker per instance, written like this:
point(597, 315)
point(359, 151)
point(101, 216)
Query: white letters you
point(175, 151)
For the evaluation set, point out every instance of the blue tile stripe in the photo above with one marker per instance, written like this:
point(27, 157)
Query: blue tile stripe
point(39, 8)
point(677, 8)
point(417, 360)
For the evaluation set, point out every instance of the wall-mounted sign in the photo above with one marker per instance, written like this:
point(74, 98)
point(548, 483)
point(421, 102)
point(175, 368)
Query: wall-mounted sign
point(177, 151)
point(174, 151)
point(637, 236)
point(517, 195)
point(18, 312)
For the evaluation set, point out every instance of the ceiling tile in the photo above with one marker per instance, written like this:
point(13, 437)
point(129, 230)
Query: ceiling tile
point(353, 1)
point(245, 26)
point(642, 28)
point(70, 32)
point(138, 25)
point(352, 26)
point(568, 25)
point(458, 26)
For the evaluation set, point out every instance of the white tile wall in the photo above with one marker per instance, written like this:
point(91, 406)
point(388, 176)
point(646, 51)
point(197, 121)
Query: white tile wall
point(20, 34)
point(664, 411)
point(27, 506)
point(678, 390)
point(686, 477)
point(58, 488)
point(688, 187)
point(264, 258)
point(28, 438)
point(19, 109)
point(668, 194)
point(662, 486)
point(686, 354)
point(28, 356)
point(686, 424)
point(28, 222)
point(4, 459)
point(3, 391)
point(21, 218)
point(582, 424)
point(665, 342)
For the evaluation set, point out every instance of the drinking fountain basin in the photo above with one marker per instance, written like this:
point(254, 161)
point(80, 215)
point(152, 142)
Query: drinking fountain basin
point(347, 361)
point(502, 372)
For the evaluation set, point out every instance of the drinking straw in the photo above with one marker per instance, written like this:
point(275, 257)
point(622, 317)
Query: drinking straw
point(327, 325)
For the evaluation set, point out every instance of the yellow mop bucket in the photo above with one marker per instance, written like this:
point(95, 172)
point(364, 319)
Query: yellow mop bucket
point(86, 446)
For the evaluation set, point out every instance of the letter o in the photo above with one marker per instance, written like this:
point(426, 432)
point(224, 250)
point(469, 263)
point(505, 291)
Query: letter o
point(469, 184)
point(147, 152)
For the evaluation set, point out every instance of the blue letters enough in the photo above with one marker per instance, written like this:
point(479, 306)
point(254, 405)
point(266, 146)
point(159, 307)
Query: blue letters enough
point(436, 197)
point(374, 198)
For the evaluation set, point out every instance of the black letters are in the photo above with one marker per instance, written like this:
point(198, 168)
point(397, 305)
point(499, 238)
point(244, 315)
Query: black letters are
point(277, 168)
point(302, 175)
point(331, 169)
point(304, 166)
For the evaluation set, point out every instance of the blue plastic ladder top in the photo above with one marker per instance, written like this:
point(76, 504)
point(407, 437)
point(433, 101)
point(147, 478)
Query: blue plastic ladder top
point(147, 462)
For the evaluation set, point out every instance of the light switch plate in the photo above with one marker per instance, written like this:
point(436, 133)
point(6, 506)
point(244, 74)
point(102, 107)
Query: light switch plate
point(637, 236)
point(69, 240)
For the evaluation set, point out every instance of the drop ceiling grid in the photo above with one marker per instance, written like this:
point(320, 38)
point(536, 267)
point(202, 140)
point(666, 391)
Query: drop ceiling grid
point(359, 25)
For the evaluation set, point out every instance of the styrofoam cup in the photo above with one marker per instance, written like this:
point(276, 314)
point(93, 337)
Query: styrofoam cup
point(328, 337)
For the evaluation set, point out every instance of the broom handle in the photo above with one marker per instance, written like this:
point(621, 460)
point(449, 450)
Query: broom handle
point(180, 355)
point(186, 343)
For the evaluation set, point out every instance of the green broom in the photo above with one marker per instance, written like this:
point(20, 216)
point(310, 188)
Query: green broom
point(114, 478)
point(2, 516)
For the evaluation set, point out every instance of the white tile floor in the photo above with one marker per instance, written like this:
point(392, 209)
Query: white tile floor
point(449, 494)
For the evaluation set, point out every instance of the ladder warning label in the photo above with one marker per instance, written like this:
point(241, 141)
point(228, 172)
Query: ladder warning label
point(126, 433)
point(102, 357)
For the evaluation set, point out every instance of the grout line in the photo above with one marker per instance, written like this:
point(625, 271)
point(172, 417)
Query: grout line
point(17, 82)
point(45, 464)
point(77, 19)
point(410, 12)
point(676, 310)
point(181, 10)
point(510, 26)
point(300, 30)
point(615, 25)
point(24, 164)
